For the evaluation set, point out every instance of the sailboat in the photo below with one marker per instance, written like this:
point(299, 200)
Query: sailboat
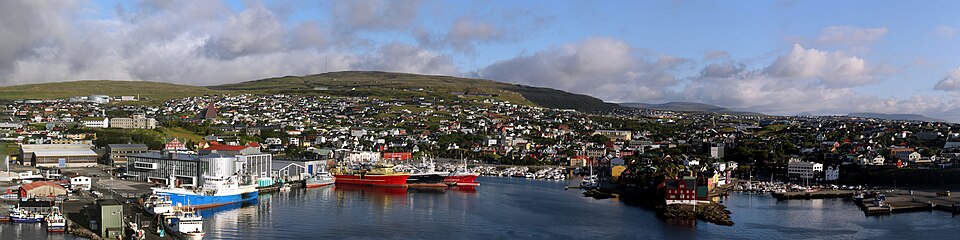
point(590, 181)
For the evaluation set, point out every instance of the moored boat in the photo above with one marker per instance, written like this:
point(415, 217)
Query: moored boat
point(158, 204)
point(371, 175)
point(319, 180)
point(55, 221)
point(461, 178)
point(427, 179)
point(216, 191)
point(19, 215)
point(185, 224)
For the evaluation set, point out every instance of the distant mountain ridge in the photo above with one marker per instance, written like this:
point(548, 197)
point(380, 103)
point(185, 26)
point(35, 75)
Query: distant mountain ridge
point(904, 117)
point(687, 107)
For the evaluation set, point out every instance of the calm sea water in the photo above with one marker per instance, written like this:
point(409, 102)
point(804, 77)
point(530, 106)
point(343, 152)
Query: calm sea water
point(515, 208)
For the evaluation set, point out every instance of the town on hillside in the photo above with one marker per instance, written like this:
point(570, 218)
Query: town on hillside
point(87, 147)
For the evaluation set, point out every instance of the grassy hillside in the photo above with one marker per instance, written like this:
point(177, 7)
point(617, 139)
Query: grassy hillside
point(151, 92)
point(401, 85)
point(353, 83)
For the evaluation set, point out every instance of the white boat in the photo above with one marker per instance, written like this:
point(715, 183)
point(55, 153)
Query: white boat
point(55, 220)
point(320, 179)
point(158, 204)
point(590, 182)
point(185, 224)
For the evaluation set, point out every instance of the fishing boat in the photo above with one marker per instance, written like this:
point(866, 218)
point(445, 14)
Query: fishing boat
point(185, 224)
point(462, 177)
point(320, 179)
point(372, 175)
point(55, 220)
point(158, 204)
point(23, 216)
point(427, 179)
point(216, 191)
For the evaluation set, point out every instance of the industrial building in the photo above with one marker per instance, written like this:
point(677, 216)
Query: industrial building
point(117, 153)
point(58, 155)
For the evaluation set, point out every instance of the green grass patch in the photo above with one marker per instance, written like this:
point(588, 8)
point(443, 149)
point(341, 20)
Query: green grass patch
point(182, 134)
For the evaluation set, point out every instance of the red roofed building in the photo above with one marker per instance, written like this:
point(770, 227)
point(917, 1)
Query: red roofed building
point(42, 189)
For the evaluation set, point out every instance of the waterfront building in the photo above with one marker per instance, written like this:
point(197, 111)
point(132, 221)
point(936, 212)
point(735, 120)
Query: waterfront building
point(681, 191)
point(42, 189)
point(804, 170)
point(106, 218)
point(58, 155)
point(117, 153)
point(255, 163)
point(156, 167)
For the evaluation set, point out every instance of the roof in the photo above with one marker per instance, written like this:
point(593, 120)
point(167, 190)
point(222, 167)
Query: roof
point(127, 146)
point(253, 144)
point(107, 202)
point(160, 155)
point(37, 184)
point(63, 152)
point(220, 147)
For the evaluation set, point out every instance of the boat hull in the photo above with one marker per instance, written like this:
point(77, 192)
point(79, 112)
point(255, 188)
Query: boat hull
point(202, 201)
point(315, 183)
point(17, 219)
point(59, 228)
point(392, 180)
point(462, 179)
point(426, 180)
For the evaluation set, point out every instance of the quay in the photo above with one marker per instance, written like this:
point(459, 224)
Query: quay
point(892, 201)
point(822, 194)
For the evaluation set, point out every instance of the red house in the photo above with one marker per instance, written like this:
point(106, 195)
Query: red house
point(681, 191)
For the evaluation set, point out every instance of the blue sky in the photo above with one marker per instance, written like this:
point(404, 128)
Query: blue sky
point(778, 57)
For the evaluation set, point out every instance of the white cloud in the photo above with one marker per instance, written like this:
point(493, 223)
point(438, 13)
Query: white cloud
point(850, 35)
point(602, 67)
point(946, 31)
point(949, 83)
point(832, 68)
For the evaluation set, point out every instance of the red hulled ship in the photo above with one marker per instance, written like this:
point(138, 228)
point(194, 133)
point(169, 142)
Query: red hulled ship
point(462, 179)
point(372, 175)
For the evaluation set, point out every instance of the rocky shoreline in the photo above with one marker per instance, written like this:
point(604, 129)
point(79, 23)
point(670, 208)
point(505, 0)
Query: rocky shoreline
point(708, 212)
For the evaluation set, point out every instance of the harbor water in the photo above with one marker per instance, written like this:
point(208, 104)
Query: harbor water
point(533, 209)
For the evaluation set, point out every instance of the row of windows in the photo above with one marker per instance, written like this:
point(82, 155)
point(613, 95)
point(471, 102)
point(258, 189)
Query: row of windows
point(41, 160)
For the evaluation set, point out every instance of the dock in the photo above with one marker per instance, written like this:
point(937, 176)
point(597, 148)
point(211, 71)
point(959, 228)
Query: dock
point(823, 194)
point(910, 201)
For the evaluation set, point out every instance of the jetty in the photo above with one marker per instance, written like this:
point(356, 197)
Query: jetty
point(894, 201)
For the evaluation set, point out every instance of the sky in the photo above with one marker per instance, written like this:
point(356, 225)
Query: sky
point(775, 57)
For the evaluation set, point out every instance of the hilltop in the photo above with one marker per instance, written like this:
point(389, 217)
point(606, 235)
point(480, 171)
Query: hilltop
point(350, 83)
point(150, 92)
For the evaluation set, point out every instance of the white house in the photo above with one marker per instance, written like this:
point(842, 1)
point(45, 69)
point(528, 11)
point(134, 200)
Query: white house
point(96, 122)
point(804, 170)
point(80, 183)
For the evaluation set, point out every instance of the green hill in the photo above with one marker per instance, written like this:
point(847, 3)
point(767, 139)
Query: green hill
point(399, 85)
point(351, 83)
point(150, 92)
